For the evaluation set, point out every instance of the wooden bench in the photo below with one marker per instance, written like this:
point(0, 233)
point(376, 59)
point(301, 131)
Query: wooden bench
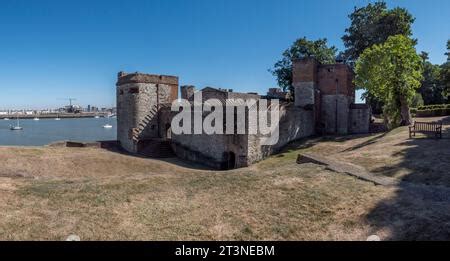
point(426, 128)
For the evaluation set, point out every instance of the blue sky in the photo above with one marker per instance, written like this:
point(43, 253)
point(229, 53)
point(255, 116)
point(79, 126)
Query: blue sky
point(50, 50)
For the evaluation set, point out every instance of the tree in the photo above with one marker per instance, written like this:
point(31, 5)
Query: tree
point(373, 24)
point(448, 51)
point(302, 47)
point(445, 72)
point(417, 100)
point(431, 88)
point(424, 56)
point(391, 72)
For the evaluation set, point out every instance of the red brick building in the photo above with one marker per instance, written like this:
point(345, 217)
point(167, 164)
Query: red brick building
point(329, 90)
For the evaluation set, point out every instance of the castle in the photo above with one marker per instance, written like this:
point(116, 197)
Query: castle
point(324, 104)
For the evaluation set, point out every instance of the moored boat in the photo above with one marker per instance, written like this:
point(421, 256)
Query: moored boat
point(17, 127)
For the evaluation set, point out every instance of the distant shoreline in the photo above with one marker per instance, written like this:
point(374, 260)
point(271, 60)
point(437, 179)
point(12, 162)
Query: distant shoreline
point(104, 144)
point(54, 115)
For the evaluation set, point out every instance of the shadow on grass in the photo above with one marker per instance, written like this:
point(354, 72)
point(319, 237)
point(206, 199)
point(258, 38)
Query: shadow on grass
point(366, 143)
point(113, 146)
point(420, 207)
point(308, 142)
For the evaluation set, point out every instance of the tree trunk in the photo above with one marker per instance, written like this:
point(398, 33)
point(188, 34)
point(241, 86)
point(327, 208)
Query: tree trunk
point(405, 113)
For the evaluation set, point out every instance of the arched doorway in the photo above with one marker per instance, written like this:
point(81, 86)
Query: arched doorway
point(231, 160)
point(168, 130)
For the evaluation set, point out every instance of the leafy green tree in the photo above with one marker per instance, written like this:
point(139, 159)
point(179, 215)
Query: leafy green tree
point(448, 51)
point(417, 100)
point(445, 72)
point(431, 87)
point(424, 56)
point(301, 48)
point(391, 72)
point(373, 24)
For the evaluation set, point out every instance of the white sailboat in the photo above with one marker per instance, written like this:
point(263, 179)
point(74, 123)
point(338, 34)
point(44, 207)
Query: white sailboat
point(17, 127)
point(35, 119)
point(6, 119)
point(108, 125)
point(57, 117)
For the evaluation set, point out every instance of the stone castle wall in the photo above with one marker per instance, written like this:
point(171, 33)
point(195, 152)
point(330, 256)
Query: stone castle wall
point(214, 150)
point(210, 150)
point(330, 112)
point(295, 123)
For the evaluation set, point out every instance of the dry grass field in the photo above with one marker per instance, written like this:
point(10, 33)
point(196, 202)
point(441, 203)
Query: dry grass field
point(48, 193)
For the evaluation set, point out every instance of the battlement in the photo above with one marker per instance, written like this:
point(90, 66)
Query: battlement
point(124, 78)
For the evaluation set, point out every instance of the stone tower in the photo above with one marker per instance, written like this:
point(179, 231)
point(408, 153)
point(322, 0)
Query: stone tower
point(337, 93)
point(304, 79)
point(139, 99)
point(328, 89)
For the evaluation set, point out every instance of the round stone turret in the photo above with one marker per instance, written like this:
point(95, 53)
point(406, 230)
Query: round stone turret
point(139, 97)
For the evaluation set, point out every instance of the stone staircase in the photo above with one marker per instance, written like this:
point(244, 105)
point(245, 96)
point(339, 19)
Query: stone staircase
point(136, 135)
point(151, 147)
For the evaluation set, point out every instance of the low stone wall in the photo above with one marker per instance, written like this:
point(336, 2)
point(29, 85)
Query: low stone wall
point(295, 123)
point(215, 150)
point(77, 144)
point(359, 118)
point(187, 153)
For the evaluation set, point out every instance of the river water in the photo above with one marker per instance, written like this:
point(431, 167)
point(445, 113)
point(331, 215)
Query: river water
point(45, 131)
